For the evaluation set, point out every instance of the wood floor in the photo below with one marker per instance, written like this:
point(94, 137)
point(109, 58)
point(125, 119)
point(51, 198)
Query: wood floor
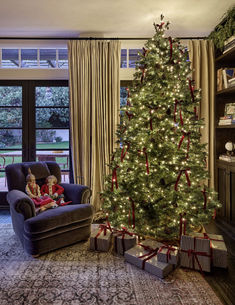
point(221, 280)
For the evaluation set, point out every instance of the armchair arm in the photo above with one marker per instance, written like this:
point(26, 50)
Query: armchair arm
point(21, 203)
point(77, 193)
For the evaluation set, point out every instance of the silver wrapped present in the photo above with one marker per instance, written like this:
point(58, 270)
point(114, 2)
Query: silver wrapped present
point(123, 241)
point(195, 252)
point(219, 250)
point(100, 239)
point(168, 254)
point(145, 257)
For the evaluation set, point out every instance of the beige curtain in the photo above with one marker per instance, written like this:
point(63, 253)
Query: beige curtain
point(201, 55)
point(94, 108)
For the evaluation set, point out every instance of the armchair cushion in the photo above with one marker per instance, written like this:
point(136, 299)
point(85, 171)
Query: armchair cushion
point(76, 193)
point(59, 217)
point(21, 203)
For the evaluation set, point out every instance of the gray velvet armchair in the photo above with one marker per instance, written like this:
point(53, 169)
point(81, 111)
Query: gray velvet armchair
point(53, 228)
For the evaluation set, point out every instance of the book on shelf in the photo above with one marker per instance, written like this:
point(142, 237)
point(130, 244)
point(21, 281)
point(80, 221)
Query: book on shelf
point(229, 44)
point(227, 158)
point(225, 78)
point(226, 122)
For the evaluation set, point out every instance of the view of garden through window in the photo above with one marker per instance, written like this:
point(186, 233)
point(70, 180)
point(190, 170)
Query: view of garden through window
point(51, 121)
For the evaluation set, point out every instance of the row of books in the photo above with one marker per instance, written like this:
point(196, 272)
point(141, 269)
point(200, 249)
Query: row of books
point(225, 78)
point(227, 158)
point(227, 120)
point(229, 44)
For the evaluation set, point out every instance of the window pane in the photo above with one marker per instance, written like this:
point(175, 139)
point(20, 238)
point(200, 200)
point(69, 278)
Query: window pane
point(52, 96)
point(123, 96)
point(11, 138)
point(10, 96)
point(48, 118)
point(52, 139)
point(10, 58)
point(10, 117)
point(123, 58)
point(29, 58)
point(48, 58)
point(63, 58)
point(59, 156)
point(133, 57)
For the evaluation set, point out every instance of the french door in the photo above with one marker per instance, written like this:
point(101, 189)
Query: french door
point(34, 124)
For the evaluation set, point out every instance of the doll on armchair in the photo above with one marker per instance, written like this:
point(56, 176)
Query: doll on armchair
point(32, 189)
point(54, 191)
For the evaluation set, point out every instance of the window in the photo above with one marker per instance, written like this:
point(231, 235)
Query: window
point(34, 124)
point(34, 58)
point(129, 57)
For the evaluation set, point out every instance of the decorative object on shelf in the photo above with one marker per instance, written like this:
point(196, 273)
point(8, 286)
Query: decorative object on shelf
point(195, 252)
point(220, 79)
point(224, 30)
point(144, 256)
point(230, 146)
point(227, 120)
point(228, 77)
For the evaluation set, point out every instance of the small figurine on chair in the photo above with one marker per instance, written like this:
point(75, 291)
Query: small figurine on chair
point(54, 190)
point(33, 191)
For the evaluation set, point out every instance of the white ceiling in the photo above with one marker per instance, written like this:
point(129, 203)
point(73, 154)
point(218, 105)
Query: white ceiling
point(108, 18)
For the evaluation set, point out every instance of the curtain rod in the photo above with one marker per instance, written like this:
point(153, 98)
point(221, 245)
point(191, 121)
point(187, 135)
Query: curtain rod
point(85, 38)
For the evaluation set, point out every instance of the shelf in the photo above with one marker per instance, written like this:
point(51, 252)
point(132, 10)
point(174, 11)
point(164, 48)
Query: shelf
point(225, 126)
point(222, 162)
point(226, 91)
point(227, 59)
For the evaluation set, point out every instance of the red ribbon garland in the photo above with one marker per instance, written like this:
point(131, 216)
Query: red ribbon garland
point(205, 198)
point(128, 95)
point(181, 118)
point(122, 233)
point(146, 159)
point(133, 213)
point(145, 52)
point(151, 253)
point(191, 90)
point(160, 25)
point(123, 154)
point(170, 40)
point(114, 178)
point(182, 223)
point(130, 115)
point(185, 134)
point(178, 178)
point(143, 74)
point(169, 249)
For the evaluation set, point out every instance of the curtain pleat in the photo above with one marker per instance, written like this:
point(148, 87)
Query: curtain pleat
point(201, 55)
point(94, 109)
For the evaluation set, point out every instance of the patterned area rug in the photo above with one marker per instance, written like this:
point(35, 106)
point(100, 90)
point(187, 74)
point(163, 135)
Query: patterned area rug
point(74, 275)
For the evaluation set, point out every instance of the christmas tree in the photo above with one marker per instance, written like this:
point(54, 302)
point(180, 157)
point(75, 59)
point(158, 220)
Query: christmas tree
point(157, 182)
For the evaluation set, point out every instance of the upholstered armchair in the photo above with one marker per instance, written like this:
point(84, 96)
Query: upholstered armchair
point(54, 228)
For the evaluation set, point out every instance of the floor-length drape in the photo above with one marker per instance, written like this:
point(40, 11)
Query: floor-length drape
point(201, 55)
point(94, 109)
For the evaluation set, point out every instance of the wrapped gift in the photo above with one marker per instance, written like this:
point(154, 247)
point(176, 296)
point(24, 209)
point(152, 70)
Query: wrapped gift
point(123, 241)
point(101, 238)
point(144, 256)
point(195, 252)
point(219, 250)
point(168, 254)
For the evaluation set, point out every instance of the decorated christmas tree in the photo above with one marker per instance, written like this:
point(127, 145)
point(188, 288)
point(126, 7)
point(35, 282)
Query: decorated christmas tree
point(158, 176)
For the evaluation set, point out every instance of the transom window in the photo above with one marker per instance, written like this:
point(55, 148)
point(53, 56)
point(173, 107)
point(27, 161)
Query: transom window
point(34, 58)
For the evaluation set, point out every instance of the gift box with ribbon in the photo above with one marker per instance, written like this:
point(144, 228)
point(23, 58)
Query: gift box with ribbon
point(123, 240)
point(144, 256)
point(195, 252)
point(168, 254)
point(219, 250)
point(101, 238)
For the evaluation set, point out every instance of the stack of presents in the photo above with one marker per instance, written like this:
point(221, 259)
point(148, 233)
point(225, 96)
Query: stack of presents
point(198, 251)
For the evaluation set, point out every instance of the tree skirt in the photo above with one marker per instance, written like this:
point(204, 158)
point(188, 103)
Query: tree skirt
point(75, 275)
